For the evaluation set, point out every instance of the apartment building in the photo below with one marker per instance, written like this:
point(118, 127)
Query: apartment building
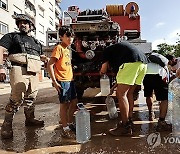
point(44, 13)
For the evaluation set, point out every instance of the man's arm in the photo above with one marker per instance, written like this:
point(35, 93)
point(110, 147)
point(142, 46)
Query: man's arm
point(50, 69)
point(178, 73)
point(2, 70)
point(2, 50)
point(44, 58)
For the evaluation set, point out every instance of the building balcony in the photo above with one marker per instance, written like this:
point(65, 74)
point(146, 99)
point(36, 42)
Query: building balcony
point(57, 9)
point(31, 1)
point(30, 12)
point(30, 8)
point(58, 1)
point(41, 4)
point(57, 20)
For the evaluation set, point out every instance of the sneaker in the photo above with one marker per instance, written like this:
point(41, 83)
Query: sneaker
point(72, 126)
point(163, 126)
point(151, 116)
point(68, 134)
point(121, 130)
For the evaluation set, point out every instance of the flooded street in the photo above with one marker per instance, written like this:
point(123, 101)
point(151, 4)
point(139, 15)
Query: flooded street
point(45, 140)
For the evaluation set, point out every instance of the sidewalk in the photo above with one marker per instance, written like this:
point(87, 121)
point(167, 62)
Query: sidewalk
point(5, 87)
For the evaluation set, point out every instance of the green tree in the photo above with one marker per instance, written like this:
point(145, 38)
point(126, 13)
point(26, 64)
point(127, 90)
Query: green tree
point(177, 50)
point(165, 48)
point(177, 47)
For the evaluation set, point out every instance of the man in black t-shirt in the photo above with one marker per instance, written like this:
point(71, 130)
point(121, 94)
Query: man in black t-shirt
point(25, 54)
point(130, 65)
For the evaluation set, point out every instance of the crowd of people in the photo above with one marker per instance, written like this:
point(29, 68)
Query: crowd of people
point(131, 65)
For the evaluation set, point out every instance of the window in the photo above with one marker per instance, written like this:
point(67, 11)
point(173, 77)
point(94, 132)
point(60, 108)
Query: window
point(57, 15)
point(41, 28)
point(41, 12)
point(3, 4)
point(3, 28)
point(30, 6)
point(42, 42)
point(17, 10)
point(50, 6)
point(51, 21)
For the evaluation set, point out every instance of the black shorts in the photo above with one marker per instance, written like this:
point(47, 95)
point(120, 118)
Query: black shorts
point(154, 82)
point(68, 91)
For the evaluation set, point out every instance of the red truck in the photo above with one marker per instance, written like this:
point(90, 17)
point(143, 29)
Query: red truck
point(94, 31)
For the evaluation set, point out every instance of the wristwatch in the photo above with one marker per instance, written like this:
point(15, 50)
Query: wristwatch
point(1, 66)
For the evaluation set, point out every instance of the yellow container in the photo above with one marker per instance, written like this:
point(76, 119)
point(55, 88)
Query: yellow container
point(115, 10)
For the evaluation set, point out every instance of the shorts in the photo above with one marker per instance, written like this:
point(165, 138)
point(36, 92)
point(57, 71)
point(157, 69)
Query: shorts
point(131, 73)
point(154, 82)
point(68, 91)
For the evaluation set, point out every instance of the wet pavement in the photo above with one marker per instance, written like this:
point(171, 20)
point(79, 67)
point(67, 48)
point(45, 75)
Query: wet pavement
point(45, 140)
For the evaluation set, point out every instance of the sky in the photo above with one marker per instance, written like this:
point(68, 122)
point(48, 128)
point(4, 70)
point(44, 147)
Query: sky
point(160, 19)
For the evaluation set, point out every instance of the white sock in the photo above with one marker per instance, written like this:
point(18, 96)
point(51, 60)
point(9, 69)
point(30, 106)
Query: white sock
point(66, 128)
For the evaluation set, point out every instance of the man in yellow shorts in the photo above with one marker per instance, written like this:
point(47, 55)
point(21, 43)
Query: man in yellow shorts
point(130, 64)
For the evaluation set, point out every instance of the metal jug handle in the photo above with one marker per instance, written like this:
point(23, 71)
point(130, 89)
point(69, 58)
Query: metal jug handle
point(80, 106)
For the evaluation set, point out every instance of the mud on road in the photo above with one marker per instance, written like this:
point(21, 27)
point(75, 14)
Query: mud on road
point(48, 139)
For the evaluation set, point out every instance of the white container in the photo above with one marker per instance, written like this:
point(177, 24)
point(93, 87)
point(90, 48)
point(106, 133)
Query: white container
point(104, 85)
point(111, 107)
point(174, 86)
point(83, 128)
point(170, 107)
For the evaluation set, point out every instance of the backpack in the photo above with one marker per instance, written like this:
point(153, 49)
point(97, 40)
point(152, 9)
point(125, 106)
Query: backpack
point(158, 59)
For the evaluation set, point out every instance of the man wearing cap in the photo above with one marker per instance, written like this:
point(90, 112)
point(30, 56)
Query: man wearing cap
point(25, 54)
